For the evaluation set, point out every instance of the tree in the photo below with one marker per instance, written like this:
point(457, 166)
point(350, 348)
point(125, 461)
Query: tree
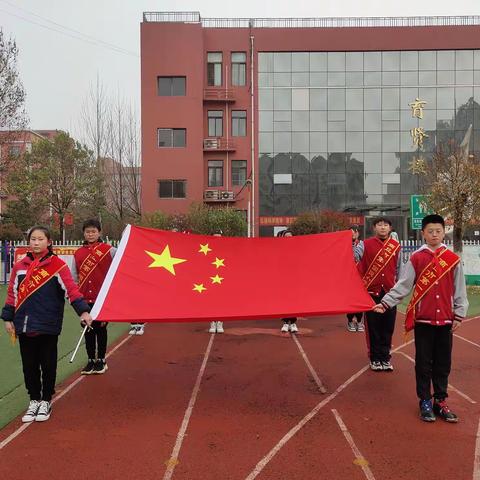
point(12, 93)
point(451, 182)
point(57, 177)
point(320, 221)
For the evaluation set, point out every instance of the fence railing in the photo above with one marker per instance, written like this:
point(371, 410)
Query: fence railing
point(326, 22)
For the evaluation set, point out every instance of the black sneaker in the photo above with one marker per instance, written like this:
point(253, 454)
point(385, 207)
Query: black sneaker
point(426, 411)
point(387, 367)
point(376, 366)
point(441, 409)
point(100, 367)
point(89, 367)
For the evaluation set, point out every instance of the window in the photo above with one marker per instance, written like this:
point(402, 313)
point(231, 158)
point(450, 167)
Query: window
point(172, 137)
point(215, 123)
point(214, 69)
point(239, 172)
point(14, 151)
point(239, 123)
point(215, 173)
point(239, 68)
point(172, 188)
point(171, 86)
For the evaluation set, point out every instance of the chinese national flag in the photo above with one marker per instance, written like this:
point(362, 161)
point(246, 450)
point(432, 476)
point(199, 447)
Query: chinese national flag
point(162, 276)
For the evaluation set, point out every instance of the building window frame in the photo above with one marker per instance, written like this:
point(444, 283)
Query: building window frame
point(239, 172)
point(239, 69)
point(172, 188)
point(171, 86)
point(215, 173)
point(215, 123)
point(172, 137)
point(239, 123)
point(214, 69)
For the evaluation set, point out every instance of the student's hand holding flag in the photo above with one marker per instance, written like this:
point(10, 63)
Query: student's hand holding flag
point(379, 308)
point(86, 319)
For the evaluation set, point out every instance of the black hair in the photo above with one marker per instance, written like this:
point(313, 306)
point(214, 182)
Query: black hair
point(354, 228)
point(92, 222)
point(433, 218)
point(46, 232)
point(381, 219)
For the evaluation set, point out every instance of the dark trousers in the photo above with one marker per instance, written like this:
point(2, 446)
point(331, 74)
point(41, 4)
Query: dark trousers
point(96, 340)
point(351, 316)
point(380, 327)
point(433, 359)
point(290, 320)
point(39, 360)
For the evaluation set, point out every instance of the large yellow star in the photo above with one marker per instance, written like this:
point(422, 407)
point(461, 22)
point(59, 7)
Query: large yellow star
point(164, 260)
point(218, 262)
point(198, 288)
point(204, 249)
point(216, 279)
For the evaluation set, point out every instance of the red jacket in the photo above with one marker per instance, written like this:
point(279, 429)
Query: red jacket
point(91, 286)
point(385, 280)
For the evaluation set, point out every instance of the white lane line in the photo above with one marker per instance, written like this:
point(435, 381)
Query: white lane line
point(476, 458)
point(470, 319)
point(466, 340)
point(266, 459)
point(309, 365)
point(19, 430)
point(359, 458)
point(173, 460)
point(450, 386)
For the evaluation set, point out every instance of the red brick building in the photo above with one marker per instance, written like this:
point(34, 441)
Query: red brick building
point(278, 116)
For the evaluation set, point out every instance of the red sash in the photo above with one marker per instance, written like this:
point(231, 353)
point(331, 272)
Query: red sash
point(91, 262)
point(38, 276)
point(384, 255)
point(432, 273)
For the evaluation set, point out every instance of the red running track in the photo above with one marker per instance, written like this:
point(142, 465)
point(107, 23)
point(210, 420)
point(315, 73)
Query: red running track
point(258, 412)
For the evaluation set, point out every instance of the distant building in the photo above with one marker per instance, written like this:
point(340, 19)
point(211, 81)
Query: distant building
point(314, 113)
point(14, 143)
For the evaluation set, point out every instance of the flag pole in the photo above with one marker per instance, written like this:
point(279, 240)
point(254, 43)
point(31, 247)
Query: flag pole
point(79, 342)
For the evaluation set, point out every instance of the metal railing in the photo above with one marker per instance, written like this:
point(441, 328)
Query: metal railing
point(218, 144)
point(327, 22)
point(219, 94)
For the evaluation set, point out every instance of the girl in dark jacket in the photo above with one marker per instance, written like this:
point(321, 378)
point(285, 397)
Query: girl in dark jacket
point(33, 312)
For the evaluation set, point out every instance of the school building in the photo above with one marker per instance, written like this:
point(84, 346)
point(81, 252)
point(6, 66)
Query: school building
point(278, 116)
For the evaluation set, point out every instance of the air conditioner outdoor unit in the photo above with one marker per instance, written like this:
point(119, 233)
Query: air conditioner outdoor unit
point(210, 194)
point(226, 195)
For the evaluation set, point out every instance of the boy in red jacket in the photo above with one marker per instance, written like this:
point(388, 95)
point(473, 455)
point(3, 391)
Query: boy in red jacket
point(91, 265)
point(378, 260)
point(438, 305)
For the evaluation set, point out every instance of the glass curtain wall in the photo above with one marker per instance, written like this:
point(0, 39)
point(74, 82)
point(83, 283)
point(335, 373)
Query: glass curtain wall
point(346, 126)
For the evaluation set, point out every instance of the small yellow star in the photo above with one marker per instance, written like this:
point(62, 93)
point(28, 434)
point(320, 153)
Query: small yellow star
point(198, 288)
point(204, 249)
point(216, 279)
point(218, 262)
point(164, 260)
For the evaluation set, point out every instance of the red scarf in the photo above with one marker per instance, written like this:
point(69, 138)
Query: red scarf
point(36, 262)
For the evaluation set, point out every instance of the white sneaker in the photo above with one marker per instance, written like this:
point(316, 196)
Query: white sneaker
point(293, 328)
point(213, 327)
point(133, 329)
point(285, 328)
point(220, 327)
point(44, 411)
point(360, 326)
point(31, 412)
point(140, 330)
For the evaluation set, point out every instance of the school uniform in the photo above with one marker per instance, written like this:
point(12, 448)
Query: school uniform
point(432, 316)
point(379, 326)
point(35, 304)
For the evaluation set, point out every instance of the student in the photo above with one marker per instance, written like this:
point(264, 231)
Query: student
point(34, 312)
point(289, 323)
point(91, 265)
point(216, 326)
point(355, 320)
point(379, 259)
point(438, 305)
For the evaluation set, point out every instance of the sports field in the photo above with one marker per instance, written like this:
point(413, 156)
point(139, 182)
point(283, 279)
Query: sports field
point(251, 403)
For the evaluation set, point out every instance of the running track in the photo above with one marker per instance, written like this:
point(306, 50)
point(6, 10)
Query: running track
point(181, 403)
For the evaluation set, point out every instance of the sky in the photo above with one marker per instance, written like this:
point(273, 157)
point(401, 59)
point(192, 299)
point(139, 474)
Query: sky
point(65, 45)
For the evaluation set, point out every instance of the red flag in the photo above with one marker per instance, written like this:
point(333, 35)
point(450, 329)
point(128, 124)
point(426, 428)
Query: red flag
point(161, 276)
